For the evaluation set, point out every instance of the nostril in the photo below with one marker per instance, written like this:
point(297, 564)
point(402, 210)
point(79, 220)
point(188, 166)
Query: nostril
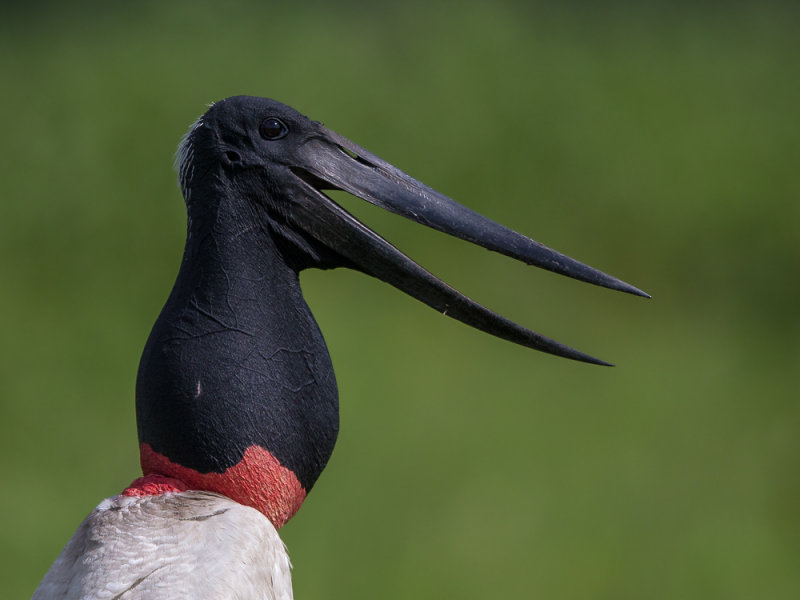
point(232, 156)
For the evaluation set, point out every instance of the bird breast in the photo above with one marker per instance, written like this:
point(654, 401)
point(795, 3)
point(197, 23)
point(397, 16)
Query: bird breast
point(190, 544)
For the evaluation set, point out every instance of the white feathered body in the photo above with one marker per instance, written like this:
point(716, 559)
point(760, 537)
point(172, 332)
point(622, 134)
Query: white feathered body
point(190, 544)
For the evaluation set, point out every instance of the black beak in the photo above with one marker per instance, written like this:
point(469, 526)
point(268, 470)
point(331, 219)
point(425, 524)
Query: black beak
point(327, 160)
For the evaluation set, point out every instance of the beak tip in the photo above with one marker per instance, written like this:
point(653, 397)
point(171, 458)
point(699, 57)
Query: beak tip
point(596, 361)
point(572, 353)
point(621, 286)
point(635, 291)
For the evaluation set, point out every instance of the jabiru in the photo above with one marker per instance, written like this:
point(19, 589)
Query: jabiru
point(236, 400)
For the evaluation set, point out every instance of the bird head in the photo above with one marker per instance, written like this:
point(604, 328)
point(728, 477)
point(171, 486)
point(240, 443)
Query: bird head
point(282, 162)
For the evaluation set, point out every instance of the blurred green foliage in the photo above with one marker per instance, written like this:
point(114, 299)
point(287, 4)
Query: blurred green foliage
point(657, 141)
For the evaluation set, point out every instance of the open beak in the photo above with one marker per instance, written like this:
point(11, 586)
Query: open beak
point(329, 161)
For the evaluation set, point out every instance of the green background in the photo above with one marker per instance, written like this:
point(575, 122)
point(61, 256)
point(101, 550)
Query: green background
point(657, 141)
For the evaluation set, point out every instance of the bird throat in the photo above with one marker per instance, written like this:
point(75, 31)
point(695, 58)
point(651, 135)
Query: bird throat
point(235, 392)
point(258, 480)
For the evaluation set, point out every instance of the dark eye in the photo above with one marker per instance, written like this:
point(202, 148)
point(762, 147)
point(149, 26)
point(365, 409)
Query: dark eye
point(272, 128)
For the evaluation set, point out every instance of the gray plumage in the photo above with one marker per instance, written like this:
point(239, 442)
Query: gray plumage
point(180, 545)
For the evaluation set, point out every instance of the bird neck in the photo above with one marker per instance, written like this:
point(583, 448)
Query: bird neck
point(236, 392)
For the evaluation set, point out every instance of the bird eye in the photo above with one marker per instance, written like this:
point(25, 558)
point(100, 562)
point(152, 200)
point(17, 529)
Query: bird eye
point(272, 128)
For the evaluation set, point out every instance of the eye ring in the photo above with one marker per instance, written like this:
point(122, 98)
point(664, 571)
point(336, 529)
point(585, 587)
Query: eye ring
point(272, 128)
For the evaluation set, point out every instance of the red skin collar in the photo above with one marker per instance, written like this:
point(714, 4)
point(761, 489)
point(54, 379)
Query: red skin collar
point(154, 485)
point(258, 480)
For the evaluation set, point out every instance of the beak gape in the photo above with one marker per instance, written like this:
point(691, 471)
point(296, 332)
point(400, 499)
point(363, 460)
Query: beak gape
point(343, 165)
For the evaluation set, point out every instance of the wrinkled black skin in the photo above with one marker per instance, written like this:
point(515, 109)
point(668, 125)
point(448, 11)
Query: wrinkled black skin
point(235, 357)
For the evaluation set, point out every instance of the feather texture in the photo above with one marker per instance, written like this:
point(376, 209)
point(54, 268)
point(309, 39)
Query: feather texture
point(178, 545)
